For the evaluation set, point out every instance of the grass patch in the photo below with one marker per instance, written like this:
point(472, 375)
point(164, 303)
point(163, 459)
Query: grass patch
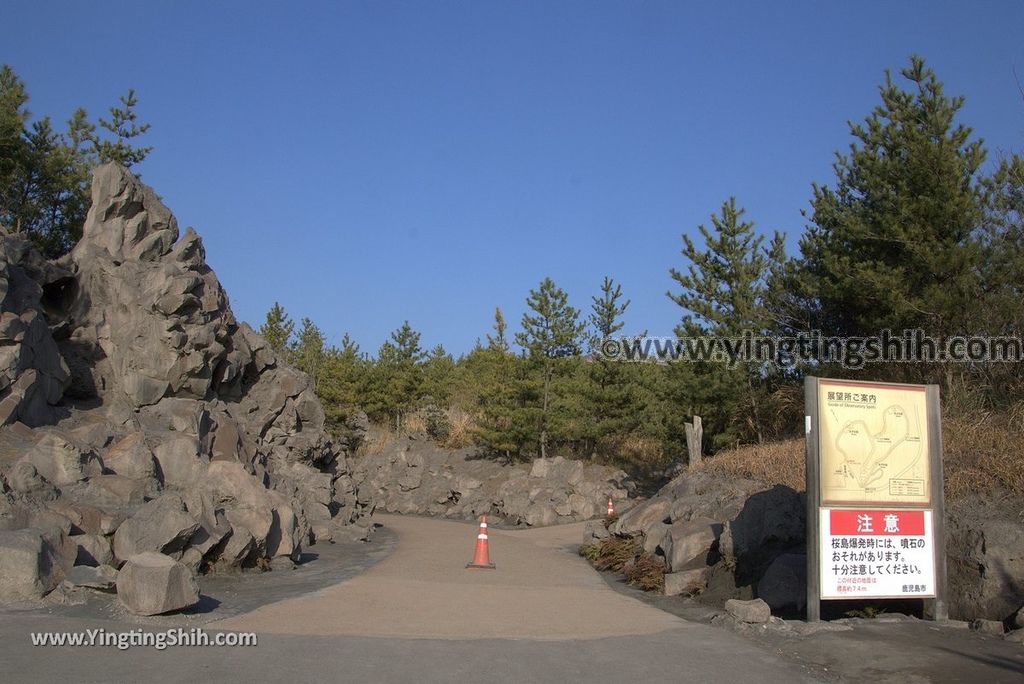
point(626, 555)
point(646, 572)
point(983, 454)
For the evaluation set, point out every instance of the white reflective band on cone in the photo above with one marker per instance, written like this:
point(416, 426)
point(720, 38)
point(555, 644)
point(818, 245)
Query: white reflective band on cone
point(481, 536)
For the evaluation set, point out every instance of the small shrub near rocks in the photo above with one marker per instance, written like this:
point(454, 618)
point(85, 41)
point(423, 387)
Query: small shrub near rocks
point(612, 553)
point(625, 555)
point(646, 571)
point(436, 423)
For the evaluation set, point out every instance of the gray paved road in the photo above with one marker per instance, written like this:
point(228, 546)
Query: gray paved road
point(420, 616)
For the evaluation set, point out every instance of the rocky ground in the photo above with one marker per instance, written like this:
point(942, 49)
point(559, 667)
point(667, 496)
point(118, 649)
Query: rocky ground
point(416, 476)
point(719, 538)
point(147, 435)
point(408, 609)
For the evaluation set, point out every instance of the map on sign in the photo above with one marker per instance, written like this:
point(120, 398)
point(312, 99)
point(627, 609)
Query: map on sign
point(873, 443)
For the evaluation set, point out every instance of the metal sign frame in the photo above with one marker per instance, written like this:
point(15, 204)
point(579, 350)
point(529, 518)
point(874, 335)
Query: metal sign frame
point(935, 608)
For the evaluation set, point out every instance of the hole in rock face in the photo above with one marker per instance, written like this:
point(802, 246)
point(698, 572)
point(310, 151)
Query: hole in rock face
point(58, 296)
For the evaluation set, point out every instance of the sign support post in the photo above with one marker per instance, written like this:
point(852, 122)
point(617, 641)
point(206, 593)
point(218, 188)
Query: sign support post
point(813, 499)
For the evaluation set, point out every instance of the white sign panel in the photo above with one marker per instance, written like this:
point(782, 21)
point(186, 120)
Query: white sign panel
point(877, 553)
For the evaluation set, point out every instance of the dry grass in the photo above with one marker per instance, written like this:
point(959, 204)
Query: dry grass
point(414, 423)
point(611, 553)
point(625, 555)
point(377, 440)
point(646, 572)
point(983, 453)
point(771, 463)
point(460, 434)
point(643, 455)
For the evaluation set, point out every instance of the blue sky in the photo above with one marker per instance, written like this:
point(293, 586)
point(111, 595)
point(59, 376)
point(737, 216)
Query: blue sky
point(364, 163)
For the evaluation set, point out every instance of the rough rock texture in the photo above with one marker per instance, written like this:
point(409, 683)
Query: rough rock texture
point(985, 563)
point(698, 520)
point(136, 413)
point(29, 568)
point(784, 584)
point(755, 612)
point(412, 476)
point(685, 582)
point(751, 539)
point(151, 583)
point(102, 577)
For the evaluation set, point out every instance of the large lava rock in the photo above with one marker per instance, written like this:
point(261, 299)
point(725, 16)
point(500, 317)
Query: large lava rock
point(413, 476)
point(131, 397)
point(151, 583)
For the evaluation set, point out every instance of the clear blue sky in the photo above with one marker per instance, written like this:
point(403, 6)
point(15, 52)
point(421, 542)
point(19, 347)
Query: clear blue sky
point(369, 162)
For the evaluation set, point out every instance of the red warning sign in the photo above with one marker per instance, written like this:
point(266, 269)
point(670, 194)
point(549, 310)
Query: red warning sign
point(876, 523)
point(876, 553)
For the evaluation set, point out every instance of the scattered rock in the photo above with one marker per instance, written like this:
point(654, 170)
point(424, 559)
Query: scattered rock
point(131, 457)
point(161, 525)
point(102, 577)
point(812, 628)
point(151, 583)
point(93, 550)
point(784, 584)
point(418, 477)
point(595, 530)
point(685, 582)
point(993, 627)
point(752, 612)
point(691, 540)
point(29, 568)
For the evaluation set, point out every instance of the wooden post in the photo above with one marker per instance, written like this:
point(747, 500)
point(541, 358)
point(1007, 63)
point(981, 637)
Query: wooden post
point(938, 608)
point(813, 470)
point(695, 440)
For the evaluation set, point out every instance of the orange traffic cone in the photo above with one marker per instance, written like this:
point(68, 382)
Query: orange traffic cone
point(482, 559)
point(611, 507)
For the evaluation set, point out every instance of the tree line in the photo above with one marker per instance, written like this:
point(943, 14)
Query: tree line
point(915, 232)
point(45, 173)
point(918, 230)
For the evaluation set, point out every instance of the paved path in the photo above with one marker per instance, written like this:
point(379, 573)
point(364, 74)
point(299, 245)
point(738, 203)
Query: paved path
point(423, 590)
point(420, 616)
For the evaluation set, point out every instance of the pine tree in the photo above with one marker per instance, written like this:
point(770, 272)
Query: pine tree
point(608, 390)
point(894, 244)
point(123, 126)
point(499, 340)
point(277, 329)
point(725, 294)
point(308, 352)
point(438, 376)
point(552, 333)
point(45, 174)
point(397, 379)
point(343, 382)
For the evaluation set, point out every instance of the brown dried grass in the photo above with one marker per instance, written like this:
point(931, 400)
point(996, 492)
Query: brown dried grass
point(983, 454)
point(646, 572)
point(771, 463)
point(461, 426)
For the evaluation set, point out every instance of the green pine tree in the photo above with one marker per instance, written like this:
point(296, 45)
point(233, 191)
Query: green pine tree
point(725, 294)
point(894, 244)
point(277, 329)
point(550, 334)
point(308, 353)
point(45, 174)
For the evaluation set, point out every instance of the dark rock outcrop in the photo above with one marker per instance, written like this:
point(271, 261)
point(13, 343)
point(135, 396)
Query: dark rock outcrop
point(135, 408)
point(412, 476)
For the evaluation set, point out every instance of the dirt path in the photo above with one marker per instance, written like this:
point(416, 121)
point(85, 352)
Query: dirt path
point(423, 590)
